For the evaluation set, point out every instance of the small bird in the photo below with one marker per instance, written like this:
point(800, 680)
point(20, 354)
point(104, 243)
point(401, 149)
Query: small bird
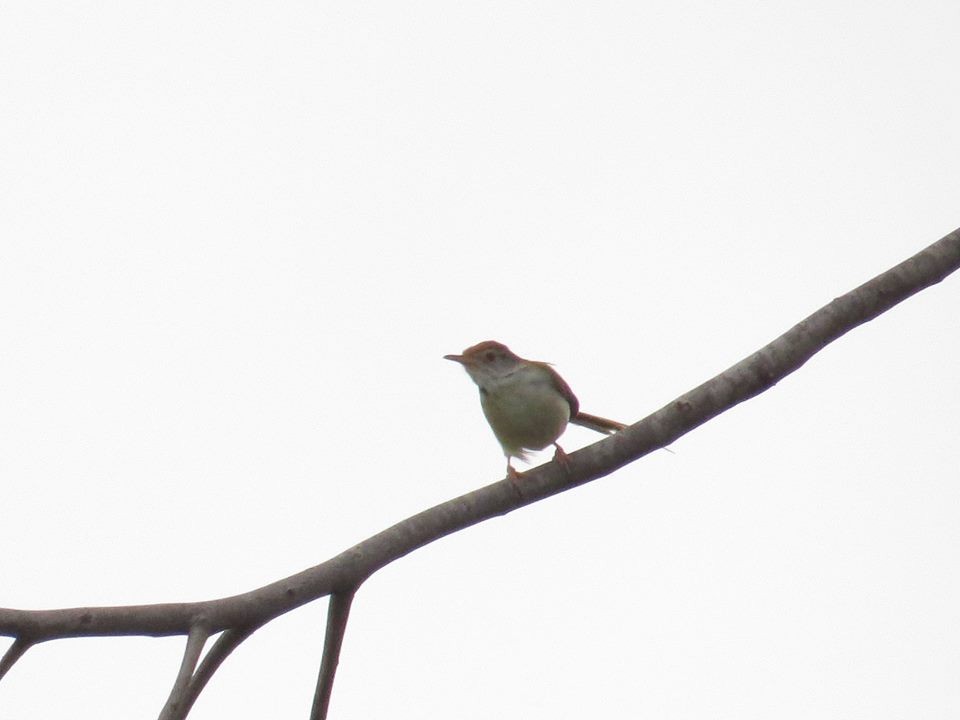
point(526, 402)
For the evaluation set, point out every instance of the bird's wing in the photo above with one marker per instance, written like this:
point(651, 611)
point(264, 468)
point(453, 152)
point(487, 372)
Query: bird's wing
point(561, 385)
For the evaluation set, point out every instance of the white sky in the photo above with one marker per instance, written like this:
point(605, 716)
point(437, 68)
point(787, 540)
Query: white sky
point(237, 238)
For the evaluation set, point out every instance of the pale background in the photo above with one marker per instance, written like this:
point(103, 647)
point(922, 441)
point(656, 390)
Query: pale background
point(237, 238)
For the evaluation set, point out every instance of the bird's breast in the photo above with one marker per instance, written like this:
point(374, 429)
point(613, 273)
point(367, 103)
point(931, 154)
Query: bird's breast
point(525, 411)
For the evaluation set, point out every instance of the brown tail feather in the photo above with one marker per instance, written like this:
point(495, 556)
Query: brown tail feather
point(598, 424)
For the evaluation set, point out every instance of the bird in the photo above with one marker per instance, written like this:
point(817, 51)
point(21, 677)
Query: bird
point(526, 402)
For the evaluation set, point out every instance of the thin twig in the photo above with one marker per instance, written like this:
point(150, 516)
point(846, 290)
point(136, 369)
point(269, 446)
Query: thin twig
point(196, 639)
point(338, 612)
point(13, 653)
point(224, 645)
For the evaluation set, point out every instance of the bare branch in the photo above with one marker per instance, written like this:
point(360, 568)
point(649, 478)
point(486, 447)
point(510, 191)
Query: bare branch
point(13, 653)
point(240, 615)
point(224, 645)
point(338, 612)
point(191, 655)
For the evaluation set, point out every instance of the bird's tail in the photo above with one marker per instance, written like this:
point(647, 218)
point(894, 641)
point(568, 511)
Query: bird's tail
point(598, 424)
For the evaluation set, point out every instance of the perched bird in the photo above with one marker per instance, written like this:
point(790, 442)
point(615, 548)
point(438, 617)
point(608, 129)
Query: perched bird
point(527, 404)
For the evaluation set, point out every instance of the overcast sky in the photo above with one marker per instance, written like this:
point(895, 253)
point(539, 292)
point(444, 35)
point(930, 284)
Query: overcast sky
point(236, 240)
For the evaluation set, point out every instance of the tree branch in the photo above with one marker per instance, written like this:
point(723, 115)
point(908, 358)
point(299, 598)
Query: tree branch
point(240, 615)
point(13, 653)
point(196, 639)
point(224, 645)
point(338, 612)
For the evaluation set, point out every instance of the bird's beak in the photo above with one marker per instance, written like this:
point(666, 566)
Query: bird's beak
point(455, 358)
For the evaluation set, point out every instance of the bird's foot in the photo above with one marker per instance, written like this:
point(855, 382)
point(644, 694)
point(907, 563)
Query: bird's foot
point(514, 477)
point(560, 457)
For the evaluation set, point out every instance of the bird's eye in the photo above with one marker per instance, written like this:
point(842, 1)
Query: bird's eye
point(490, 357)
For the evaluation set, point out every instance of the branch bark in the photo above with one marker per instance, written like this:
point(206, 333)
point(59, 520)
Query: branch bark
point(240, 615)
point(13, 653)
point(176, 707)
point(338, 613)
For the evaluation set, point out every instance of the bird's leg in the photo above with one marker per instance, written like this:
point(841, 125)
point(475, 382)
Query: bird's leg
point(514, 477)
point(560, 457)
